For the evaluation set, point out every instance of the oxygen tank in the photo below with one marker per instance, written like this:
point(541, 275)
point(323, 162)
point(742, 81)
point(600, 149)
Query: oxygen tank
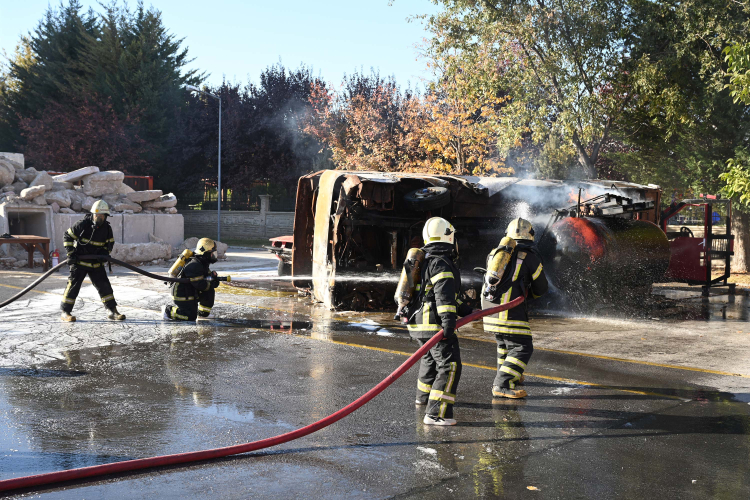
point(179, 264)
point(411, 276)
point(497, 261)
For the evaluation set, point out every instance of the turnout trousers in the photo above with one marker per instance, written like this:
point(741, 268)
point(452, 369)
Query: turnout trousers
point(439, 373)
point(513, 353)
point(98, 277)
point(189, 310)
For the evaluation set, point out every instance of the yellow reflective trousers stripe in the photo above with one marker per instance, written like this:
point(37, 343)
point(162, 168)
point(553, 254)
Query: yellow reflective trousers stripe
point(446, 309)
point(423, 387)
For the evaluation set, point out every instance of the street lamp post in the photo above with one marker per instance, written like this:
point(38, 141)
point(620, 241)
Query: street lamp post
point(193, 88)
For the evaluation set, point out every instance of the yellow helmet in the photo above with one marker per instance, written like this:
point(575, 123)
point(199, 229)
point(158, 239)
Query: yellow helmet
point(520, 229)
point(438, 229)
point(205, 246)
point(100, 207)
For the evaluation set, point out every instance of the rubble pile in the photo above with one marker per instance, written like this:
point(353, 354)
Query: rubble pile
point(19, 185)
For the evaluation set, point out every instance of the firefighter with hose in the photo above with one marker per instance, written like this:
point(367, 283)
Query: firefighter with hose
point(514, 269)
point(195, 299)
point(91, 235)
point(428, 299)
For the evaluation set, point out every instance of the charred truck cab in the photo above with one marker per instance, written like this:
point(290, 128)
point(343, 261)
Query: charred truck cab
point(353, 230)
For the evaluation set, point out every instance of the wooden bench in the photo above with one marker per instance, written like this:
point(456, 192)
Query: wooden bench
point(31, 243)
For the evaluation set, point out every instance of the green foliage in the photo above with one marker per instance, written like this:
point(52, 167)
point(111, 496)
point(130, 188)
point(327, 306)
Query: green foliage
point(737, 177)
point(737, 57)
point(564, 65)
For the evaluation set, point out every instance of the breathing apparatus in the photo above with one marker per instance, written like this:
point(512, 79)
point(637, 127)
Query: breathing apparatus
point(411, 277)
point(497, 263)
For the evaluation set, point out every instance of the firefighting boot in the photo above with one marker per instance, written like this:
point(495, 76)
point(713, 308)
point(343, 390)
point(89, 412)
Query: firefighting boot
point(114, 315)
point(165, 312)
point(207, 317)
point(520, 380)
point(504, 392)
point(67, 317)
point(433, 420)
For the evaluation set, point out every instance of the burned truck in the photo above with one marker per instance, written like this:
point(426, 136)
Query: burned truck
point(352, 231)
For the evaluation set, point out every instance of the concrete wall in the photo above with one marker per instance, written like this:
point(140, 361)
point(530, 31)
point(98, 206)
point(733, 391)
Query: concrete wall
point(240, 225)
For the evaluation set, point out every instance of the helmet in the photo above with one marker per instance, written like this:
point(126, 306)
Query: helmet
point(100, 207)
point(207, 247)
point(520, 229)
point(438, 229)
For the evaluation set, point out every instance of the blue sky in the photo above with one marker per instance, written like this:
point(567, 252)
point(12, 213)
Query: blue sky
point(238, 39)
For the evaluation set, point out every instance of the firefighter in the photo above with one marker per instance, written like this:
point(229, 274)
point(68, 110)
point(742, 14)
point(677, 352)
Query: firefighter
point(523, 276)
point(91, 235)
point(195, 299)
point(437, 306)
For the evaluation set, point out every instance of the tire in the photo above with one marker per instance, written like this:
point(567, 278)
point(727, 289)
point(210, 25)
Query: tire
point(428, 198)
point(283, 269)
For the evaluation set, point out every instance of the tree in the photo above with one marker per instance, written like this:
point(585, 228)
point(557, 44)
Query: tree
point(369, 125)
point(86, 132)
point(565, 65)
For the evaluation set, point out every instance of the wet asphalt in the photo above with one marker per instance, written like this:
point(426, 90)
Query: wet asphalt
point(591, 427)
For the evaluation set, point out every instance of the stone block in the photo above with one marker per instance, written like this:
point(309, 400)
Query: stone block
point(61, 186)
point(40, 200)
point(30, 193)
point(76, 199)
point(67, 211)
point(55, 207)
point(102, 183)
point(76, 175)
point(87, 203)
point(125, 189)
point(7, 173)
point(164, 201)
point(8, 189)
point(42, 179)
point(141, 252)
point(62, 198)
point(137, 227)
point(19, 186)
point(141, 196)
point(16, 159)
point(170, 228)
point(116, 222)
point(27, 175)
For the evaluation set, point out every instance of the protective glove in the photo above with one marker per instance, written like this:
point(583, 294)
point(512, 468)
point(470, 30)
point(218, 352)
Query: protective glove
point(449, 332)
point(214, 283)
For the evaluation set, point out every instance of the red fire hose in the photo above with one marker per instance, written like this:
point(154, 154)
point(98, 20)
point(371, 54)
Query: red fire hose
point(195, 456)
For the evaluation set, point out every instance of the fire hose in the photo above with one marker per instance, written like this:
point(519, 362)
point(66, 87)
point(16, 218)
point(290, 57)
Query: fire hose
point(46, 275)
point(197, 456)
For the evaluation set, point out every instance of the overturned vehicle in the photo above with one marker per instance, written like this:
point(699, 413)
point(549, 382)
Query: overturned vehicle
point(353, 230)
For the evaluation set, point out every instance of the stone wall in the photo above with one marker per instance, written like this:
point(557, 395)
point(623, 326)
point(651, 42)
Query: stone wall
point(240, 225)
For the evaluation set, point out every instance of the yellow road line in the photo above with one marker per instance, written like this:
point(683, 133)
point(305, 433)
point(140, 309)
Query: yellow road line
point(570, 353)
point(624, 360)
point(535, 375)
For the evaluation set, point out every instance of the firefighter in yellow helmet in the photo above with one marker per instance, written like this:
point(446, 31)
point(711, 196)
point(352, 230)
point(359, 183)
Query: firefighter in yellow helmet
point(195, 299)
point(523, 275)
point(91, 235)
point(437, 306)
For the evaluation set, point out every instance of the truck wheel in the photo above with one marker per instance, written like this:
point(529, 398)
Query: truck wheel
point(428, 198)
point(283, 269)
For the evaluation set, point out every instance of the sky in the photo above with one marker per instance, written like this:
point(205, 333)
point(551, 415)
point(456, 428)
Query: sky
point(235, 39)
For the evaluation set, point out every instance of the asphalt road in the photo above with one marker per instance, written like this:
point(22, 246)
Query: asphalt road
point(97, 392)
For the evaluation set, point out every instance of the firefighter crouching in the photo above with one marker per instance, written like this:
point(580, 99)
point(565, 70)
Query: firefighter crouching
point(91, 235)
point(437, 305)
point(195, 299)
point(514, 269)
